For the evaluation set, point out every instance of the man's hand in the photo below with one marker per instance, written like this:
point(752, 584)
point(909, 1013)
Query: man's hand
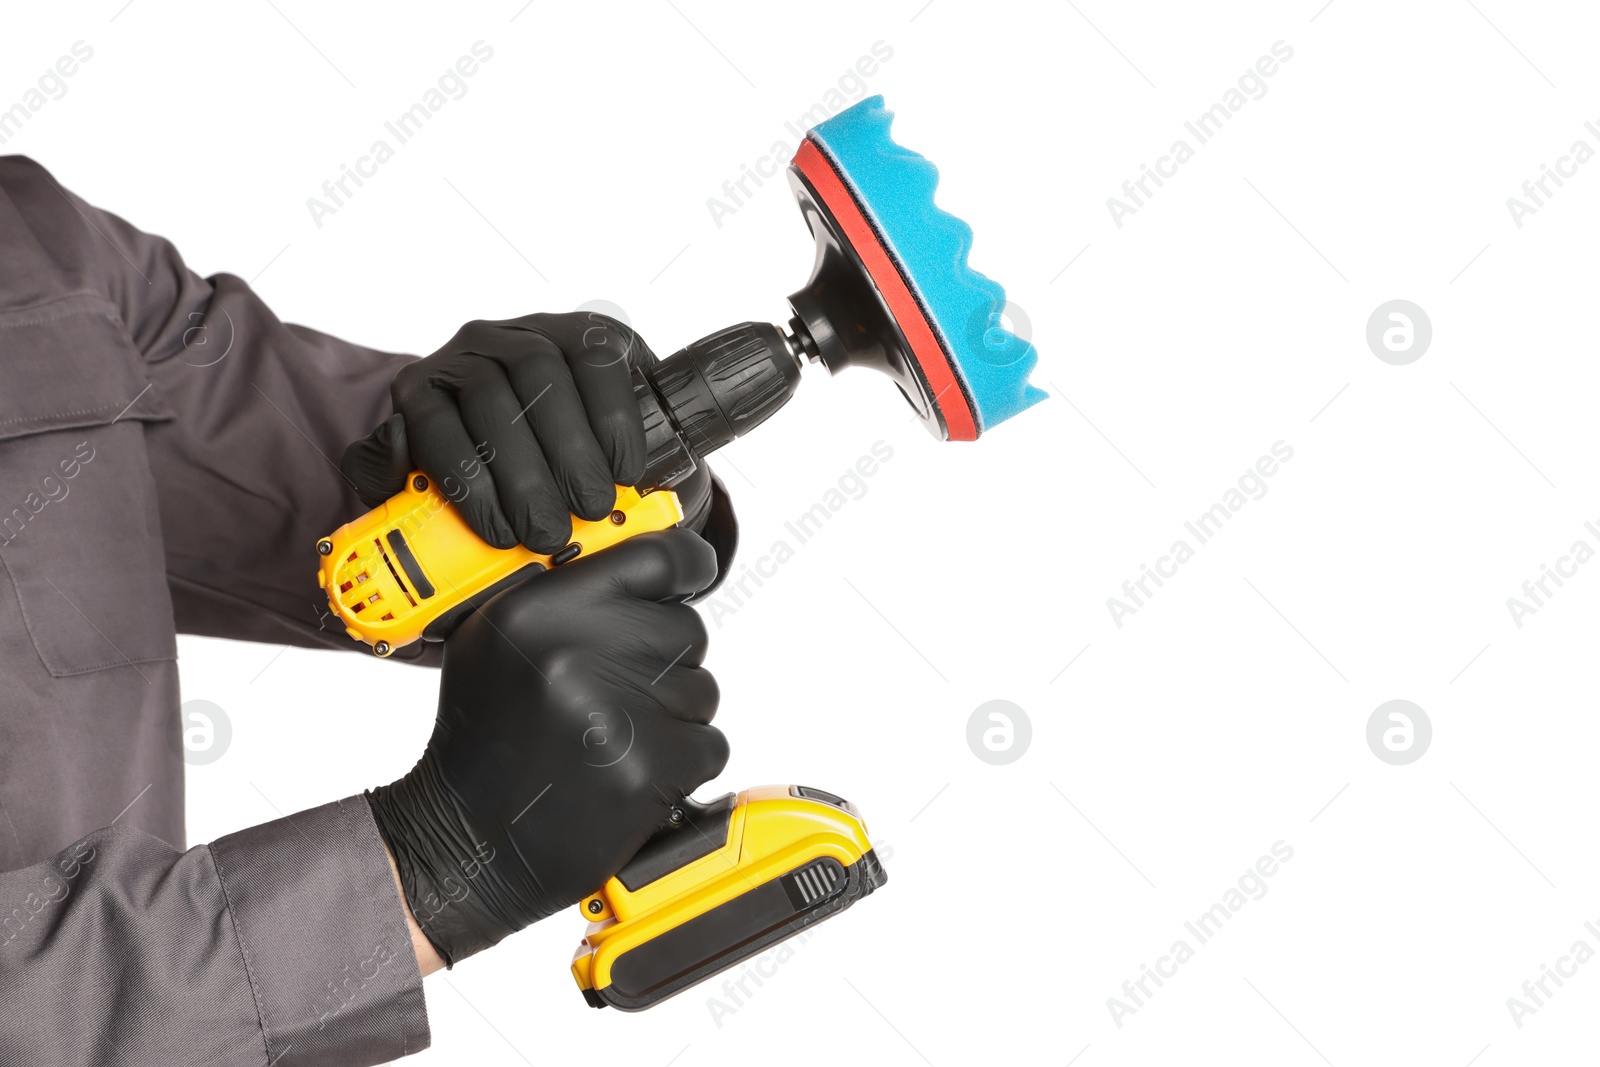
point(521, 423)
point(573, 715)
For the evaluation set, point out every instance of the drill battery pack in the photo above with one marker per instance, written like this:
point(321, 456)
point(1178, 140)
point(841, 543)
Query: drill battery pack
point(723, 882)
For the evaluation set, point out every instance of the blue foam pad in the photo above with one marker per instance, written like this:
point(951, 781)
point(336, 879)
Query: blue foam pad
point(895, 188)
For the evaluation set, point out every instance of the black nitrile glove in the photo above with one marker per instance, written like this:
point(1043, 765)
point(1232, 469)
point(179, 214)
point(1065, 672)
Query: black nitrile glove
point(521, 424)
point(573, 716)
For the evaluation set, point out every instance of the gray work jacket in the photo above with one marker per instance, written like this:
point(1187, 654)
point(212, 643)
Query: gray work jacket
point(149, 485)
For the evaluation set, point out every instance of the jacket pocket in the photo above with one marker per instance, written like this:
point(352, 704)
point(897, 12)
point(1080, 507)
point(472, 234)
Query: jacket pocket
point(80, 536)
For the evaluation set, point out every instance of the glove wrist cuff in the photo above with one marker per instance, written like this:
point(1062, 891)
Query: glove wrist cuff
point(442, 864)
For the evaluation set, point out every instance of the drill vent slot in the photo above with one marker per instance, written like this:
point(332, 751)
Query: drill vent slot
point(397, 579)
point(817, 881)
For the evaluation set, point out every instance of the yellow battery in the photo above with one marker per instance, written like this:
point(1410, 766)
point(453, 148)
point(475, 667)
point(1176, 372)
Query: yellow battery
point(726, 881)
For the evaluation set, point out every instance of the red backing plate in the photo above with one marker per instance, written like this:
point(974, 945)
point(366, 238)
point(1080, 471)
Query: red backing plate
point(925, 347)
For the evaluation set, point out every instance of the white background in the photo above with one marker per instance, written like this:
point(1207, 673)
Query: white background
point(1229, 313)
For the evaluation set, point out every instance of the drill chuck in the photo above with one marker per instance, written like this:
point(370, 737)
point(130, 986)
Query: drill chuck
point(706, 394)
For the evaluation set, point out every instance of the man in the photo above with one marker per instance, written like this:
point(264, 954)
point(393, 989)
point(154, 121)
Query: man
point(160, 473)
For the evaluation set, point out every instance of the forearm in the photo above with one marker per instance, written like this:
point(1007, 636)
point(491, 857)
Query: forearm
point(122, 951)
point(428, 959)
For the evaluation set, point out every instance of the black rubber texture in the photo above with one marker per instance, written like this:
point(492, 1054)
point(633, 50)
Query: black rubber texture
point(703, 830)
point(668, 461)
point(445, 624)
point(716, 940)
point(726, 384)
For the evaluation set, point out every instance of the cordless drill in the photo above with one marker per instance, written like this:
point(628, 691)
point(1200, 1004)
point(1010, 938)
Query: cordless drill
point(890, 290)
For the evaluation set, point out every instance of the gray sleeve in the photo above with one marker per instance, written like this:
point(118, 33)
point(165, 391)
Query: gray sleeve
point(283, 944)
point(260, 412)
